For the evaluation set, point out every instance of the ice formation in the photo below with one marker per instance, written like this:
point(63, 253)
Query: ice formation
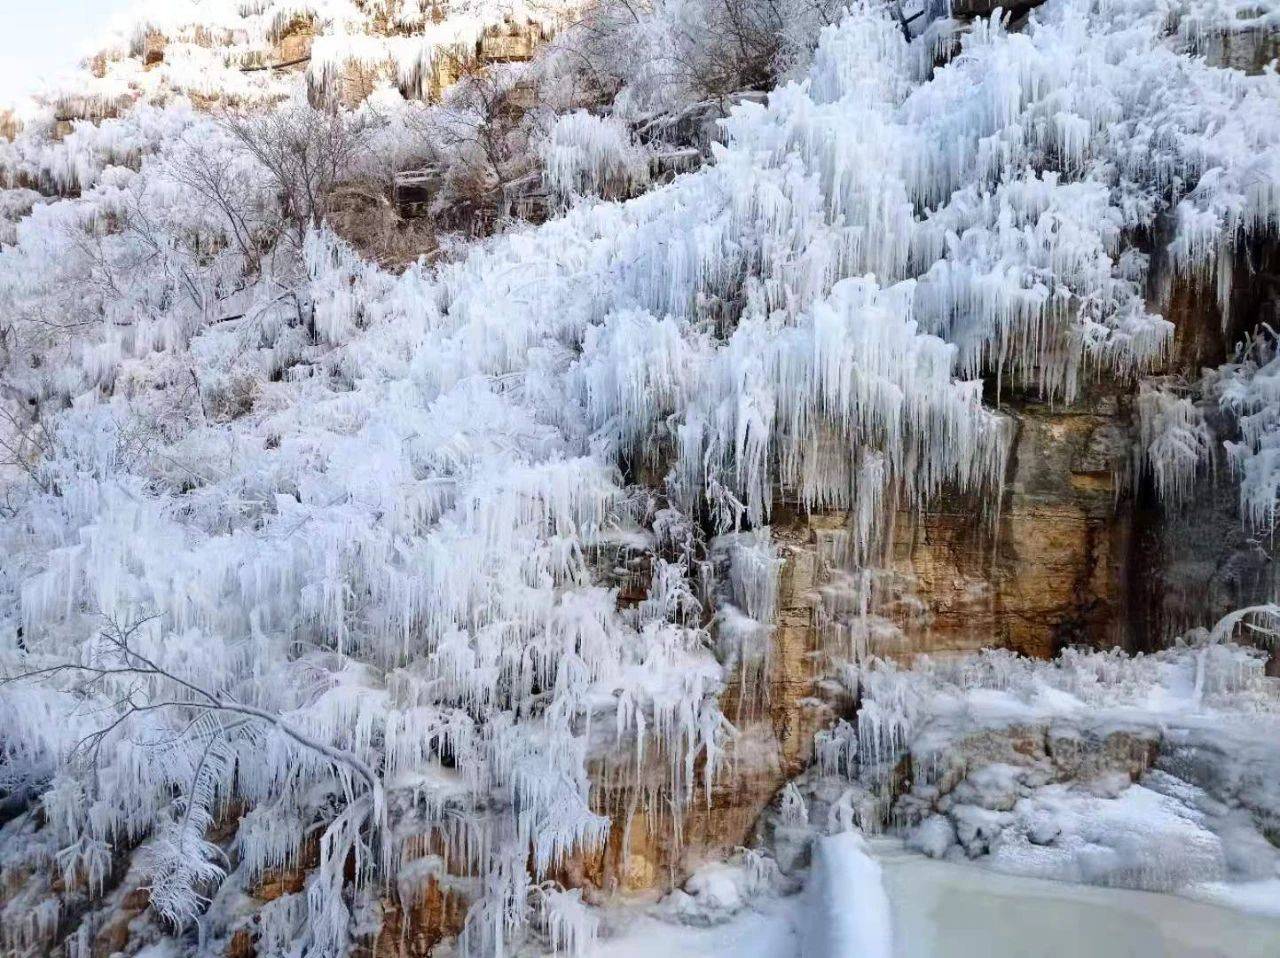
point(294, 534)
point(1175, 442)
point(1247, 390)
point(1092, 768)
point(848, 904)
point(586, 155)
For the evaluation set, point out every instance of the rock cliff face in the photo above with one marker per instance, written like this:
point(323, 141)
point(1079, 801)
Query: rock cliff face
point(1047, 571)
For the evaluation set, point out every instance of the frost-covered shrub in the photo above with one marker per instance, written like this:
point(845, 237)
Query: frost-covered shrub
point(302, 153)
point(666, 53)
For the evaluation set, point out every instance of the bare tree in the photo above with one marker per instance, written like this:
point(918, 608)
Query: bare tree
point(25, 440)
point(305, 153)
point(134, 683)
point(121, 659)
point(481, 138)
point(204, 171)
point(703, 51)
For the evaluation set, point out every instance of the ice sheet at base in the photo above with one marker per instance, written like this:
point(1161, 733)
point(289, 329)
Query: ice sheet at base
point(947, 910)
point(848, 912)
point(772, 932)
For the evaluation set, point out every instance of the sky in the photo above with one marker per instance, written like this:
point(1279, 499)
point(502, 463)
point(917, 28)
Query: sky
point(42, 38)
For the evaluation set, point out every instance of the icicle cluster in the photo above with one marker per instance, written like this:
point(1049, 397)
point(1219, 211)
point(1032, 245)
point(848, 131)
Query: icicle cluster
point(1249, 390)
point(1174, 442)
point(586, 155)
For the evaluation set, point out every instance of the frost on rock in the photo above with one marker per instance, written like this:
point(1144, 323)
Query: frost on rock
point(290, 534)
point(715, 892)
point(1096, 767)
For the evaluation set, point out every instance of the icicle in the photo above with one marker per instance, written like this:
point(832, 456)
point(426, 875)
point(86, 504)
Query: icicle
point(587, 155)
point(1174, 442)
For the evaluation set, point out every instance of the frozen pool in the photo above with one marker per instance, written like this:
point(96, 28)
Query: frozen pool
point(947, 910)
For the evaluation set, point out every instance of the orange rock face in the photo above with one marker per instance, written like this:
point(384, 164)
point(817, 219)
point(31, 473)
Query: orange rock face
point(1053, 572)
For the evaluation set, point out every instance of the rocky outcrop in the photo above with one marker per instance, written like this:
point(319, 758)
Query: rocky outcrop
point(413, 928)
point(1048, 571)
point(1250, 48)
point(9, 124)
point(1051, 573)
point(512, 41)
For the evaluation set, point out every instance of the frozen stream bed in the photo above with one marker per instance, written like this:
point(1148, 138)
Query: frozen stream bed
point(948, 910)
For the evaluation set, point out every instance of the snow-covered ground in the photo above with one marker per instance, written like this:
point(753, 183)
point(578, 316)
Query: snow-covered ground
point(770, 931)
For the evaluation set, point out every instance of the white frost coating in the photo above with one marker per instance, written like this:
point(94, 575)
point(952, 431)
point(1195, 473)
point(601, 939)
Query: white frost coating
point(847, 908)
point(1138, 839)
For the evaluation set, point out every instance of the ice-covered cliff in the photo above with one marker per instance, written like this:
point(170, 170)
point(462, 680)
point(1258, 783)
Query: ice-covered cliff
point(350, 605)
